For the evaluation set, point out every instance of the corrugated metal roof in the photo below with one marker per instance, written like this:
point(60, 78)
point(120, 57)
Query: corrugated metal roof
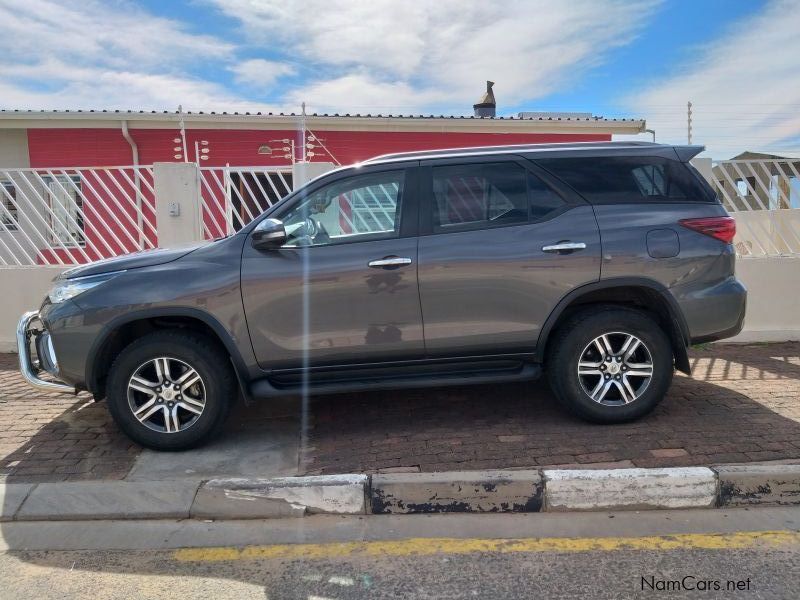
point(67, 112)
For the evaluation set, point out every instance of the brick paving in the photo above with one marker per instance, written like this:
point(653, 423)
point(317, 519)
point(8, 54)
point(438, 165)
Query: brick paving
point(741, 405)
point(49, 436)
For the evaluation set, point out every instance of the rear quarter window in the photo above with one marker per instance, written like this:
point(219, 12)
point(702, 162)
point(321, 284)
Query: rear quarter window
point(608, 180)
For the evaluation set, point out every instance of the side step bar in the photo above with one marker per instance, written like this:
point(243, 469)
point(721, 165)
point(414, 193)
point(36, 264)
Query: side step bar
point(264, 388)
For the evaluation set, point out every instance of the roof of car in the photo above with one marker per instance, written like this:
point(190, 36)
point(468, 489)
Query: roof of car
point(570, 147)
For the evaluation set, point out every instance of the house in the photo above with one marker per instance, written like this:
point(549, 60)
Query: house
point(79, 185)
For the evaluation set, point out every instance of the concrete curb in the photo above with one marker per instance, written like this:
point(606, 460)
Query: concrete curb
point(630, 489)
point(758, 484)
point(280, 497)
point(456, 491)
point(406, 493)
point(108, 500)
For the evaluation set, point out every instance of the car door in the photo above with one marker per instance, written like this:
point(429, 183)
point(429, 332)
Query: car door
point(501, 243)
point(344, 287)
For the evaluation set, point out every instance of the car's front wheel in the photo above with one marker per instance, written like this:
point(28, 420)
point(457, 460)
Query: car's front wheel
point(610, 365)
point(171, 390)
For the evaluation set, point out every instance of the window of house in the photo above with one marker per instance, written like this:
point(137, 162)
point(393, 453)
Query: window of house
point(66, 210)
point(9, 210)
point(474, 196)
point(363, 207)
point(627, 178)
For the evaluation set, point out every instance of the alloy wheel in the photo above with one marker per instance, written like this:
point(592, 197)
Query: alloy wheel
point(615, 368)
point(166, 395)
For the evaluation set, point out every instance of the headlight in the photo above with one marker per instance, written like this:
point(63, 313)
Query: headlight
point(69, 288)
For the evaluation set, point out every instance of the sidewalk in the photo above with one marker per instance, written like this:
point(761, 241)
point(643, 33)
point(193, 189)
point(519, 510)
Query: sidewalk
point(741, 405)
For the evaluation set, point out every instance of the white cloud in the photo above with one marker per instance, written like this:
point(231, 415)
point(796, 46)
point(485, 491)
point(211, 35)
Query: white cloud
point(110, 89)
point(744, 88)
point(259, 73)
point(359, 92)
point(110, 55)
point(104, 33)
point(435, 54)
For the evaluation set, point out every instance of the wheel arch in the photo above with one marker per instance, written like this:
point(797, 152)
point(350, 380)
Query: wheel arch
point(121, 331)
point(642, 292)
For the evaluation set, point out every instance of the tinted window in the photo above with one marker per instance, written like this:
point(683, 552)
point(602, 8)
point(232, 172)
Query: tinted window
point(543, 200)
point(362, 207)
point(479, 195)
point(627, 179)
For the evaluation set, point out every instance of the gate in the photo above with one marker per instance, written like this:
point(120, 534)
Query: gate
point(231, 197)
point(73, 216)
point(763, 195)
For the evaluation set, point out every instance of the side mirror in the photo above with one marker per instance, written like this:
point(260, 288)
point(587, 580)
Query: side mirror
point(270, 233)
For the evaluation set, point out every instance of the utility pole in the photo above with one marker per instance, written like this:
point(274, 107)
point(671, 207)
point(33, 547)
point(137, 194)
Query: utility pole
point(689, 121)
point(303, 132)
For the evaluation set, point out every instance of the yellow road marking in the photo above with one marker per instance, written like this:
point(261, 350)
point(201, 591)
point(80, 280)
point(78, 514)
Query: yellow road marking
point(428, 546)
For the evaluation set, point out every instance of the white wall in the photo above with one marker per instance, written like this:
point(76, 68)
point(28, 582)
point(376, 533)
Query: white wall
point(23, 289)
point(302, 173)
point(760, 232)
point(773, 298)
point(177, 185)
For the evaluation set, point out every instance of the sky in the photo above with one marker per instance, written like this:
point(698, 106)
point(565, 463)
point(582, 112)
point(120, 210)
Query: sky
point(737, 61)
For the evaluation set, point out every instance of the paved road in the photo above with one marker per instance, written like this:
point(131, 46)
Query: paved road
point(747, 554)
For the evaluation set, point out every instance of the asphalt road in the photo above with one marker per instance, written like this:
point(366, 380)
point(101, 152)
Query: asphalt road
point(676, 554)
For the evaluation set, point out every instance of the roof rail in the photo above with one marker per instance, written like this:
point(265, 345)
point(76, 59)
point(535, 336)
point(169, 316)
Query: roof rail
point(509, 148)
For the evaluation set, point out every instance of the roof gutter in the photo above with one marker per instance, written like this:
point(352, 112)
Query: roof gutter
point(136, 182)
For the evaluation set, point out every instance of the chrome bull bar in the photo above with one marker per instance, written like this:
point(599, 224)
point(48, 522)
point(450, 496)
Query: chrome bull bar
point(26, 364)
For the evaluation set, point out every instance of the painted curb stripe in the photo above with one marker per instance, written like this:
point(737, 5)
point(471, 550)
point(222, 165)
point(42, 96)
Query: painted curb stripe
point(429, 546)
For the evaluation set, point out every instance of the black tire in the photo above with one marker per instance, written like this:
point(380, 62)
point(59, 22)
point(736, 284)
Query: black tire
point(575, 336)
point(210, 362)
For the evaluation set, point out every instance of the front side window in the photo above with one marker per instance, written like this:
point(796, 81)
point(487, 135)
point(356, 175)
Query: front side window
point(476, 196)
point(363, 207)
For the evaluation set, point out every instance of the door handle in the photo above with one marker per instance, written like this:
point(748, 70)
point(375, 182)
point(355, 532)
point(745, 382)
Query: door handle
point(564, 247)
point(389, 262)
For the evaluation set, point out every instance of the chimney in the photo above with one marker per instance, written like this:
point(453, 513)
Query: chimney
point(486, 105)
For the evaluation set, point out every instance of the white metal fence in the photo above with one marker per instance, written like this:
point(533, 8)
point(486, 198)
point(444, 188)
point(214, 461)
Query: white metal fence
point(231, 197)
point(763, 195)
point(75, 215)
point(68, 216)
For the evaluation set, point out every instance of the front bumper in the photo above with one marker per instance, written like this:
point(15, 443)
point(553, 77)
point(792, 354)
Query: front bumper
point(44, 346)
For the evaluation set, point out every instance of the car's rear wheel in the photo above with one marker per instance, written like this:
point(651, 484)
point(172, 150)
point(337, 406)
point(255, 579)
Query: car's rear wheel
point(171, 390)
point(610, 365)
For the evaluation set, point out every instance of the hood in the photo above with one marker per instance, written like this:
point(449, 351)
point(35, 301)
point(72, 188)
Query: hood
point(146, 258)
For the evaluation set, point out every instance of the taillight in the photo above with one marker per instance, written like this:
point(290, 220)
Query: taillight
point(721, 228)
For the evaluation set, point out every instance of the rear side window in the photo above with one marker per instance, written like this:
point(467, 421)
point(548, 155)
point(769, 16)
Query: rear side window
point(479, 196)
point(488, 195)
point(603, 180)
point(543, 200)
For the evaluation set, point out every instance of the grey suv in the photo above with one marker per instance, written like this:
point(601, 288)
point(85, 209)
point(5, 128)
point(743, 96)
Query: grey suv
point(597, 263)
